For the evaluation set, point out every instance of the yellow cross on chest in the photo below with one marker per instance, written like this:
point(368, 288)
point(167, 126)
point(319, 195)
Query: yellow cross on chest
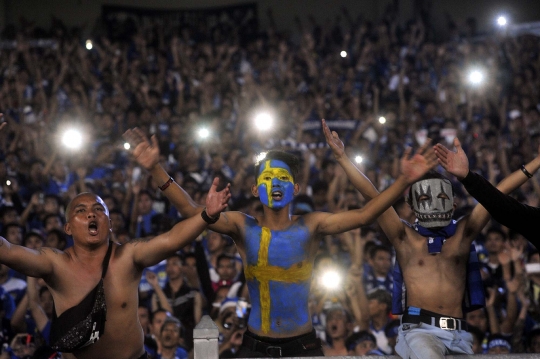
point(265, 273)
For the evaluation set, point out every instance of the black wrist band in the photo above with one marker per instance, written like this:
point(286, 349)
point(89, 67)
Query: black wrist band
point(207, 218)
point(166, 184)
point(527, 173)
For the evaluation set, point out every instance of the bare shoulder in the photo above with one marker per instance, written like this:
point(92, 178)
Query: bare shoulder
point(54, 252)
point(231, 223)
point(235, 217)
point(56, 256)
point(313, 219)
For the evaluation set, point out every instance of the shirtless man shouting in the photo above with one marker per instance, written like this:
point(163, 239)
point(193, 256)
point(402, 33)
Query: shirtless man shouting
point(95, 283)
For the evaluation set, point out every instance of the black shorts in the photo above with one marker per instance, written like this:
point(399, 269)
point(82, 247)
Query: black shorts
point(254, 346)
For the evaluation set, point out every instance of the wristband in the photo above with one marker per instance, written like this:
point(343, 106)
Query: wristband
point(166, 184)
point(207, 218)
point(527, 173)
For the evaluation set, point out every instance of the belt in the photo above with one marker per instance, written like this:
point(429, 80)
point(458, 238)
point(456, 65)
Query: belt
point(278, 350)
point(446, 323)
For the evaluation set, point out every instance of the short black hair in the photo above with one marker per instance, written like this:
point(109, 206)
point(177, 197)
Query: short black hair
point(291, 160)
point(178, 255)
point(382, 296)
point(61, 235)
point(378, 248)
point(496, 230)
point(32, 233)
point(356, 338)
point(224, 256)
point(52, 215)
point(9, 225)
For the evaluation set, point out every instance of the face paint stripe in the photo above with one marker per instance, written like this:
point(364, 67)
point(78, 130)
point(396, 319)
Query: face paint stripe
point(264, 287)
point(272, 173)
point(263, 273)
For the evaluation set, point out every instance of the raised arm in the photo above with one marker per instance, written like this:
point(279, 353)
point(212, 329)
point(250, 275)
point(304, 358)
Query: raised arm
point(146, 153)
point(25, 260)
point(150, 252)
point(504, 209)
point(412, 168)
point(389, 220)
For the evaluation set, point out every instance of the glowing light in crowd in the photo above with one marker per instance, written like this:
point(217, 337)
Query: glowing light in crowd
point(264, 121)
point(331, 279)
point(476, 77)
point(359, 159)
point(382, 120)
point(501, 21)
point(72, 139)
point(261, 156)
point(127, 146)
point(343, 53)
point(204, 133)
point(89, 45)
point(8, 182)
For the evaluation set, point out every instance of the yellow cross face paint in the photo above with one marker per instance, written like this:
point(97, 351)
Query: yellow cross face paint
point(275, 184)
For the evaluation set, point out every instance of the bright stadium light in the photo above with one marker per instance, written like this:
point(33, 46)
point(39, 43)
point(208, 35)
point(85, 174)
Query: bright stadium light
point(476, 77)
point(261, 156)
point(331, 279)
point(89, 44)
point(343, 53)
point(359, 159)
point(203, 133)
point(72, 138)
point(382, 120)
point(502, 21)
point(264, 121)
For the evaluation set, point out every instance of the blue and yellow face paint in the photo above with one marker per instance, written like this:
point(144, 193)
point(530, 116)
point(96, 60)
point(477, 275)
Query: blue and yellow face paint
point(275, 176)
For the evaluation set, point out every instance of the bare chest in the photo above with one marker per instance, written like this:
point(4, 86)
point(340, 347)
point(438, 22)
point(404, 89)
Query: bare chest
point(76, 282)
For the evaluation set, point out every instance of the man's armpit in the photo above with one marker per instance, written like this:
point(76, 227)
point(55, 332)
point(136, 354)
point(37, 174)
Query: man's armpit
point(140, 240)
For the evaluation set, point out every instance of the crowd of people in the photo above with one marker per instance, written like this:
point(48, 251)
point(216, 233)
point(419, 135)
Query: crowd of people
point(396, 86)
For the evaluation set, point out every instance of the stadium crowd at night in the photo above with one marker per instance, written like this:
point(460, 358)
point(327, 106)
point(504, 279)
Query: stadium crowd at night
point(216, 93)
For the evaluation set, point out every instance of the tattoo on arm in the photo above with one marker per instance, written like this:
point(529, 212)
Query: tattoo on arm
point(140, 240)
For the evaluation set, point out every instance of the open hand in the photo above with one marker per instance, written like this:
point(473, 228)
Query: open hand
point(455, 163)
point(146, 153)
point(415, 166)
point(216, 201)
point(332, 138)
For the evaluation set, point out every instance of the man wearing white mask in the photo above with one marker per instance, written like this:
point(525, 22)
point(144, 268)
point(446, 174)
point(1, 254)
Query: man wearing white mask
point(436, 274)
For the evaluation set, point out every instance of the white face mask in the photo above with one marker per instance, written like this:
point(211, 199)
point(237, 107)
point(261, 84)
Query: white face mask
point(432, 202)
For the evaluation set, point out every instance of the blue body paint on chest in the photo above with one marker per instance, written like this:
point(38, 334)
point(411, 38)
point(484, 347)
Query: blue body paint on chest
point(278, 274)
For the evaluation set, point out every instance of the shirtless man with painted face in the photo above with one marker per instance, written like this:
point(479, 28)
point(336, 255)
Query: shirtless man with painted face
point(433, 255)
point(97, 280)
point(278, 248)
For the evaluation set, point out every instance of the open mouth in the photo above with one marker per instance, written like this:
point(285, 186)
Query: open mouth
point(333, 328)
point(277, 195)
point(93, 228)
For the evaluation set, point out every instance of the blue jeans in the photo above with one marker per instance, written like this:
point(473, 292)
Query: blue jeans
point(423, 341)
